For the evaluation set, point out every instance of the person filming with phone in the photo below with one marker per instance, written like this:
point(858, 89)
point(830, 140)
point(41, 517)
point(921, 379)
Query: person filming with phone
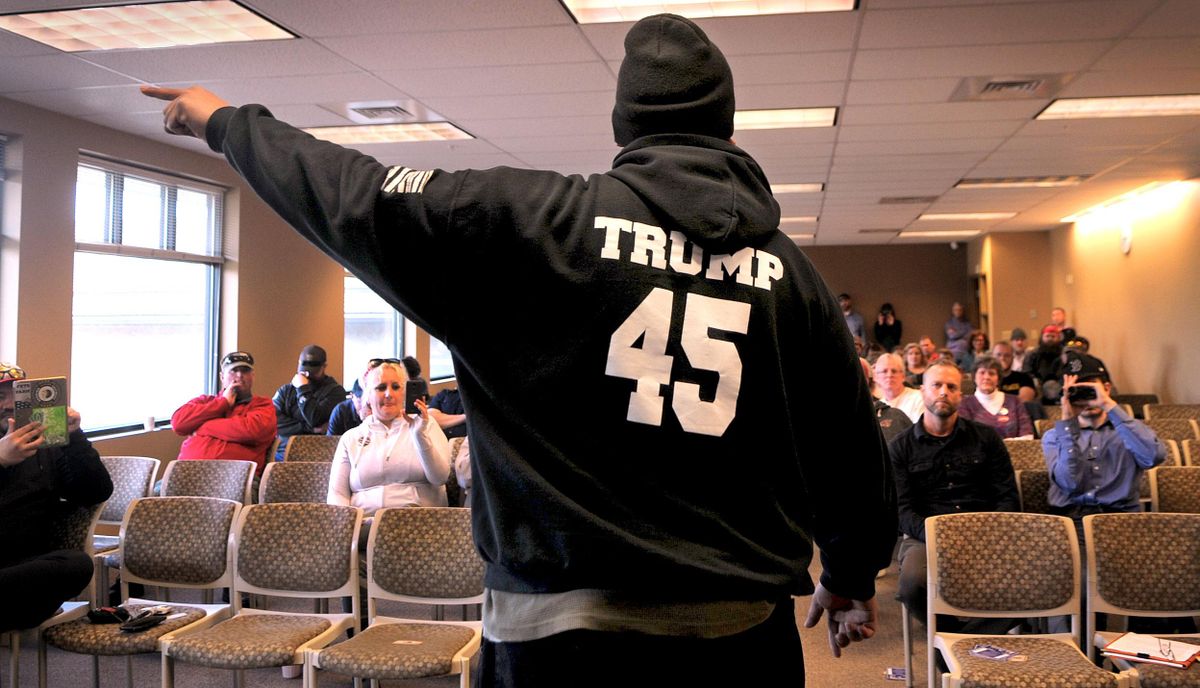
point(397, 457)
point(1096, 454)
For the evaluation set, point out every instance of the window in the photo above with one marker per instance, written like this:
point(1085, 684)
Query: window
point(440, 365)
point(146, 283)
point(373, 330)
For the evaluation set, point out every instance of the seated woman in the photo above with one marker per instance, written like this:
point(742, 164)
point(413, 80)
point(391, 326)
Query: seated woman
point(391, 459)
point(914, 364)
point(979, 347)
point(988, 405)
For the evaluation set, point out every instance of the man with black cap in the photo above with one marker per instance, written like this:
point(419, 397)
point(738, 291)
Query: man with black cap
point(1096, 454)
point(303, 406)
point(235, 424)
point(38, 484)
point(632, 349)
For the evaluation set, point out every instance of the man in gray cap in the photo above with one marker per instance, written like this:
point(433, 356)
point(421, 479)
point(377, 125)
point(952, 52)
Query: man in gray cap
point(648, 473)
point(303, 406)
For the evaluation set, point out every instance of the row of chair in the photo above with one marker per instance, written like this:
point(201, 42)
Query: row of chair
point(418, 555)
point(980, 565)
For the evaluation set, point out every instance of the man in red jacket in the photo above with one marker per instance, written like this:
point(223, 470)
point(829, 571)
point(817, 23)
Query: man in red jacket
point(234, 424)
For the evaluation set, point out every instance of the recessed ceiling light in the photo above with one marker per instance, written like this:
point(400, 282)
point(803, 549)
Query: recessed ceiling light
point(149, 25)
point(746, 120)
point(940, 233)
point(1022, 182)
point(1122, 106)
point(959, 217)
point(802, 235)
point(812, 187)
point(797, 218)
point(390, 133)
point(1116, 201)
point(597, 11)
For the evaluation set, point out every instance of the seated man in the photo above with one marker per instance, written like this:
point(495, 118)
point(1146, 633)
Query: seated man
point(1012, 380)
point(302, 406)
point(1017, 339)
point(348, 414)
point(1096, 454)
point(234, 424)
point(38, 484)
point(446, 408)
point(1045, 365)
point(892, 421)
point(889, 382)
point(945, 465)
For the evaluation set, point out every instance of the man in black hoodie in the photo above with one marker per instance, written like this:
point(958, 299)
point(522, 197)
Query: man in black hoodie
point(650, 461)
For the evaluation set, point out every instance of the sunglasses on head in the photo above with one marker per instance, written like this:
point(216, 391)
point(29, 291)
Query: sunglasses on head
point(376, 362)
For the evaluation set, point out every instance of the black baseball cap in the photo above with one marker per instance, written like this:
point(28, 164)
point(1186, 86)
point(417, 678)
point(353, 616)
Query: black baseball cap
point(312, 356)
point(1085, 367)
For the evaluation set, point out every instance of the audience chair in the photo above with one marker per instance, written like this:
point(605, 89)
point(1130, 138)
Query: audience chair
point(1175, 489)
point(73, 530)
point(1177, 411)
point(286, 550)
point(1189, 453)
point(1053, 412)
point(1177, 429)
point(218, 478)
point(417, 556)
point(454, 493)
point(1160, 579)
point(171, 542)
point(1043, 425)
point(1034, 489)
point(311, 448)
point(980, 565)
point(132, 478)
point(295, 481)
point(1026, 455)
point(1137, 402)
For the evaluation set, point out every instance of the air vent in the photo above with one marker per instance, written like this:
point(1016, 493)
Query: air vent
point(1010, 87)
point(903, 200)
point(388, 112)
point(878, 231)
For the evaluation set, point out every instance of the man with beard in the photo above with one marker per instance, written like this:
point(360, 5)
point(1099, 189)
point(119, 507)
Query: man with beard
point(1045, 365)
point(945, 465)
point(1012, 380)
point(234, 424)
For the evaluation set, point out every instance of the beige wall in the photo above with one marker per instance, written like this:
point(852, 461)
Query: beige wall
point(1016, 268)
point(1140, 311)
point(278, 292)
point(920, 280)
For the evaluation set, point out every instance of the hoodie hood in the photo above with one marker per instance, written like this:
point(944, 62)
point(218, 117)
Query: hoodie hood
point(709, 189)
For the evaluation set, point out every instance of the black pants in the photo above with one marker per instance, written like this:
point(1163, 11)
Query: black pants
point(768, 654)
point(35, 587)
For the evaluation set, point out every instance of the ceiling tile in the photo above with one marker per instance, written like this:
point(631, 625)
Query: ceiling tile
point(225, 61)
point(506, 80)
point(408, 16)
point(1147, 54)
point(1173, 18)
point(482, 48)
point(61, 70)
point(978, 60)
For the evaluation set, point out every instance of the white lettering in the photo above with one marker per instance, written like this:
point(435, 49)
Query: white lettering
point(649, 242)
point(767, 268)
point(612, 226)
point(679, 243)
point(738, 266)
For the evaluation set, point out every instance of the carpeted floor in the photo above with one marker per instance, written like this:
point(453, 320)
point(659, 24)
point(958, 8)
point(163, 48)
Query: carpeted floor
point(862, 664)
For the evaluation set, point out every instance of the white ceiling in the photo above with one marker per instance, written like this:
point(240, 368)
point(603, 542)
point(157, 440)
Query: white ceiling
point(536, 90)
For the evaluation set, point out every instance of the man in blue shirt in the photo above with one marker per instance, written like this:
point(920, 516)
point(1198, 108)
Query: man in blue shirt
point(1096, 454)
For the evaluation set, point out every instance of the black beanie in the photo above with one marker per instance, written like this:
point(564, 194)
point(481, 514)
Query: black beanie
point(673, 81)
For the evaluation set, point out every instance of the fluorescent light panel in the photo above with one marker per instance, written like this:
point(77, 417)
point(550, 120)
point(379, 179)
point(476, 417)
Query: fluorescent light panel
point(813, 187)
point(797, 218)
point(390, 133)
point(802, 235)
point(1116, 200)
point(600, 11)
point(947, 233)
point(959, 217)
point(153, 25)
point(1122, 106)
point(794, 118)
point(1022, 182)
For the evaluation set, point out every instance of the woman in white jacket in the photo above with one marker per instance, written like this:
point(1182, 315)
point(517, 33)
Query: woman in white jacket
point(391, 459)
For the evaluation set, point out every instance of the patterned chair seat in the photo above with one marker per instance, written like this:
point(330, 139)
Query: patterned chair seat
point(84, 637)
point(1050, 664)
point(105, 543)
point(1159, 676)
point(249, 641)
point(398, 651)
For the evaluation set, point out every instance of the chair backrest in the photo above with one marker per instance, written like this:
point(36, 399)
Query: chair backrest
point(1189, 452)
point(1053, 412)
point(1026, 455)
point(980, 564)
point(1043, 425)
point(220, 478)
point(1137, 402)
point(425, 555)
point(1175, 489)
point(1142, 564)
point(311, 448)
point(178, 542)
point(1034, 490)
point(132, 478)
point(295, 481)
point(297, 550)
point(73, 529)
point(1178, 411)
point(1177, 429)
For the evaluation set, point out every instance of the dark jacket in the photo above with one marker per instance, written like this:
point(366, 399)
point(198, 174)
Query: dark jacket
point(298, 411)
point(631, 349)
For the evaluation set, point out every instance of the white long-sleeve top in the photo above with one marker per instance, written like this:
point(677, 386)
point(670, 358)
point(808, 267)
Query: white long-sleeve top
point(378, 466)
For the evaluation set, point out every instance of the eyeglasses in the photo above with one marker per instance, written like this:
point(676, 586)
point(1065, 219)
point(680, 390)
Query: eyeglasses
point(376, 362)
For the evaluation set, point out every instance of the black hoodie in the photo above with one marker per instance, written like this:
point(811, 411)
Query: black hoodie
point(661, 387)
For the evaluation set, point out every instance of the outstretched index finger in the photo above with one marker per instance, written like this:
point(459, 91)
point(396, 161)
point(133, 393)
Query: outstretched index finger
point(161, 92)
